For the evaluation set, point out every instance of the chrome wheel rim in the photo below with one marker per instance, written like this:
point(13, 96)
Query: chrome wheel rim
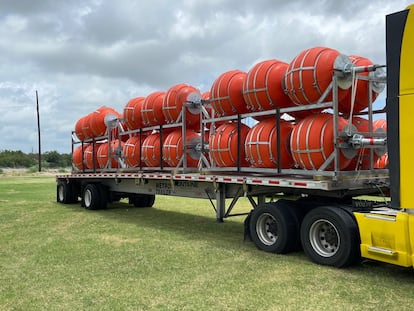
point(324, 238)
point(87, 198)
point(267, 229)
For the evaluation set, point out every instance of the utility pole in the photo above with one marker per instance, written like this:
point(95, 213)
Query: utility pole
point(38, 132)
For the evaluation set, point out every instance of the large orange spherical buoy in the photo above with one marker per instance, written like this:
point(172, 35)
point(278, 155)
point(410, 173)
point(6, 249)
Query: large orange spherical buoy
point(380, 124)
point(86, 128)
point(132, 151)
point(173, 148)
point(261, 144)
point(78, 129)
point(77, 157)
point(382, 162)
point(151, 149)
point(224, 147)
point(211, 113)
point(101, 118)
point(132, 113)
point(263, 89)
point(310, 73)
point(173, 102)
point(107, 153)
point(312, 142)
point(91, 155)
point(151, 112)
point(226, 96)
point(362, 89)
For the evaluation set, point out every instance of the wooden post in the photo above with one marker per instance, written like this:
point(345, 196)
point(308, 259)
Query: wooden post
point(38, 133)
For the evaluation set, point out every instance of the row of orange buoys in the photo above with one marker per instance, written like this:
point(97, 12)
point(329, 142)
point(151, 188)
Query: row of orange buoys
point(305, 142)
point(95, 123)
point(274, 84)
point(306, 145)
point(160, 108)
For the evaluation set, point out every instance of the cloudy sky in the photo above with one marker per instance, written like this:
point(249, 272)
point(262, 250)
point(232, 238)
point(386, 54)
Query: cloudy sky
point(80, 55)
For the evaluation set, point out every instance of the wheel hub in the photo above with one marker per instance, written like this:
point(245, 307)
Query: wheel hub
point(324, 238)
point(267, 229)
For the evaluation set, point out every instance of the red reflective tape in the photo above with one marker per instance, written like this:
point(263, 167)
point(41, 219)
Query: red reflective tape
point(274, 182)
point(257, 181)
point(178, 177)
point(301, 184)
point(226, 179)
point(201, 177)
point(240, 179)
point(187, 177)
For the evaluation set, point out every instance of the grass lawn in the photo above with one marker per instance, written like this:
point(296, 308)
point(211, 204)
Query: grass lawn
point(173, 256)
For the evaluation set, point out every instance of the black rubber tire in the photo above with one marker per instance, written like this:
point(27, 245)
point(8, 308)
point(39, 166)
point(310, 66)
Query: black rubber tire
point(142, 200)
point(94, 197)
point(104, 196)
point(150, 200)
point(330, 237)
point(65, 193)
point(273, 228)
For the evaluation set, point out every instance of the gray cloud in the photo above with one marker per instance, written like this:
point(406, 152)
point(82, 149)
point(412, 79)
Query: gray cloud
point(80, 55)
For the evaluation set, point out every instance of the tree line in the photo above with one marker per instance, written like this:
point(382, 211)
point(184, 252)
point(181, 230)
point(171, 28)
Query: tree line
point(19, 159)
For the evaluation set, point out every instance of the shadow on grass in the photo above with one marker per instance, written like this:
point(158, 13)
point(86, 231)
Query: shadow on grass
point(182, 224)
point(229, 235)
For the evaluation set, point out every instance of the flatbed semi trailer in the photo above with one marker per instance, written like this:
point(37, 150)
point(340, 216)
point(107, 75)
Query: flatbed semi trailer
point(320, 208)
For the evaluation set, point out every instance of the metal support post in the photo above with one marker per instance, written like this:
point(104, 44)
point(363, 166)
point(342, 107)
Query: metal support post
point(221, 202)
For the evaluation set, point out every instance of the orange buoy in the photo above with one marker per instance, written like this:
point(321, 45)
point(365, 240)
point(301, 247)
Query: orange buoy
point(77, 157)
point(382, 162)
point(362, 89)
point(132, 151)
point(86, 129)
point(132, 113)
point(261, 144)
point(211, 113)
point(90, 154)
point(119, 131)
point(100, 118)
point(78, 129)
point(312, 142)
point(151, 111)
point(151, 149)
point(174, 100)
point(107, 153)
point(226, 95)
point(362, 160)
point(310, 73)
point(380, 124)
point(262, 89)
point(173, 148)
point(223, 145)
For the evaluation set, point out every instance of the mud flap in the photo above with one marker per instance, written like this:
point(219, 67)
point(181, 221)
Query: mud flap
point(247, 237)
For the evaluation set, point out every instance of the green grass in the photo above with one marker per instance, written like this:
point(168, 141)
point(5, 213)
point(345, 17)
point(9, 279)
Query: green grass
point(170, 257)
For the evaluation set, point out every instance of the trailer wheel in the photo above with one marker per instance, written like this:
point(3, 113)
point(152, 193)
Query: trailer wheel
point(94, 197)
point(65, 193)
point(142, 200)
point(330, 237)
point(273, 228)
